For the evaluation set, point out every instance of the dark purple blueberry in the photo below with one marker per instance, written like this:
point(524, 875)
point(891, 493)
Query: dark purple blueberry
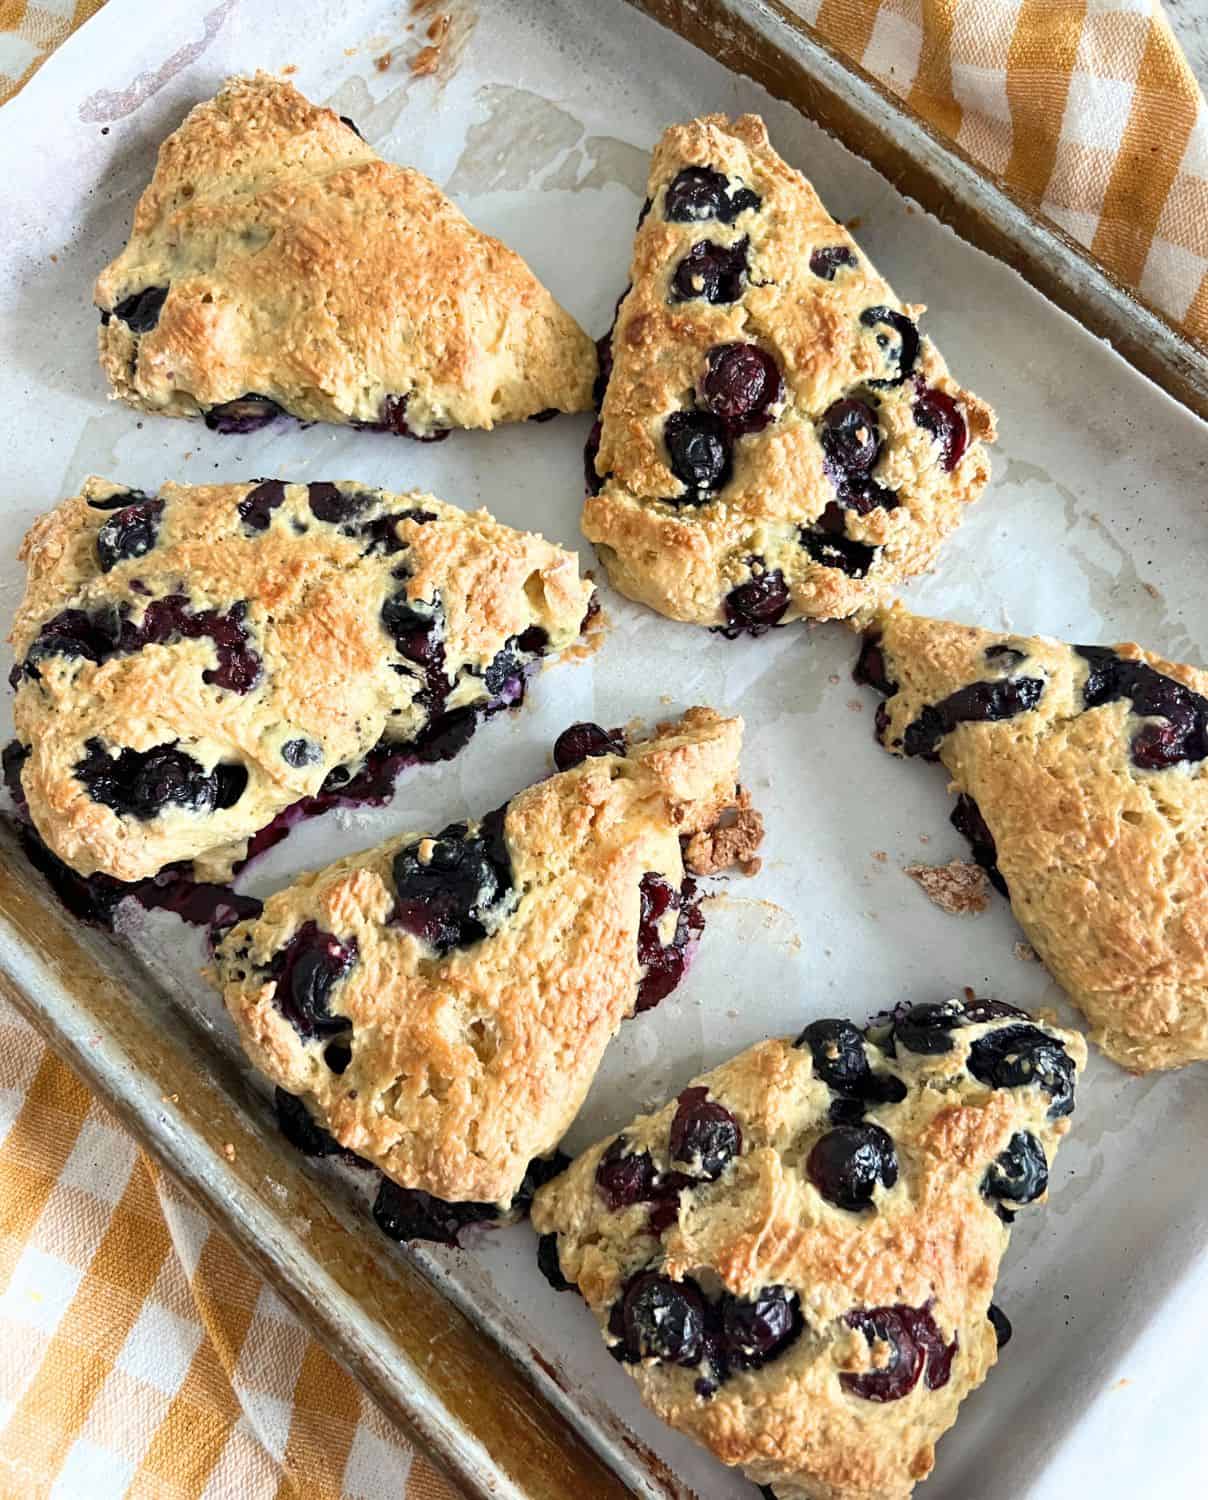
point(976, 703)
point(850, 438)
point(301, 752)
point(664, 1208)
point(593, 480)
point(248, 413)
point(900, 1374)
point(937, 413)
point(305, 971)
point(142, 783)
point(927, 1028)
point(834, 550)
point(663, 1319)
point(705, 1136)
point(759, 1329)
point(900, 353)
point(700, 193)
point(549, 1264)
point(742, 383)
point(625, 1177)
point(393, 418)
point(540, 1170)
point(73, 634)
point(663, 964)
point(1017, 1056)
point(128, 533)
point(928, 1337)
point(870, 669)
point(445, 897)
point(510, 661)
point(846, 1109)
point(966, 818)
point(754, 607)
point(713, 273)
point(140, 312)
point(328, 502)
point(338, 1054)
point(12, 759)
point(828, 259)
point(862, 494)
point(699, 454)
point(302, 1131)
point(344, 120)
point(119, 501)
point(847, 1163)
point(604, 373)
point(1183, 735)
point(406, 1214)
point(978, 1012)
point(581, 741)
point(1001, 1325)
point(837, 1048)
point(257, 506)
point(647, 205)
point(1020, 1174)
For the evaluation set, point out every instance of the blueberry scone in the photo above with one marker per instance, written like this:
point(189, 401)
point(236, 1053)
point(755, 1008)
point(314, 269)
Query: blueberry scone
point(441, 1003)
point(277, 263)
point(191, 663)
point(1082, 774)
point(776, 438)
point(794, 1259)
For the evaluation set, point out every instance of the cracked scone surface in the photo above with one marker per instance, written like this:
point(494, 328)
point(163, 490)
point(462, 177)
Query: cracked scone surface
point(1083, 787)
point(776, 438)
point(275, 255)
point(474, 978)
point(191, 663)
point(794, 1259)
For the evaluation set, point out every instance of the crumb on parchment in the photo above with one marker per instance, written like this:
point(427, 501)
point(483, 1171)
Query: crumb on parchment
point(735, 840)
point(960, 888)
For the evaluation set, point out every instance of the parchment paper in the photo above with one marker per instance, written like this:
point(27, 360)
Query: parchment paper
point(538, 120)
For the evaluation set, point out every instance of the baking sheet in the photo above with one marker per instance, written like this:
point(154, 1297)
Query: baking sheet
point(539, 120)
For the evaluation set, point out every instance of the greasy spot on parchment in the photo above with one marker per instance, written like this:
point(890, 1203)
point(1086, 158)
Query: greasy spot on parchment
point(108, 104)
point(525, 136)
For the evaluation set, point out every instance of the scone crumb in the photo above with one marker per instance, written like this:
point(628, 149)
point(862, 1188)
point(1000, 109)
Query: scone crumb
point(960, 888)
point(382, 63)
point(1025, 953)
point(732, 841)
point(228, 1151)
point(880, 855)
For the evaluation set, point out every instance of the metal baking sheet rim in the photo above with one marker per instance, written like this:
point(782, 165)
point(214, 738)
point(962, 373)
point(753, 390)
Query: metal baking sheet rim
point(477, 1412)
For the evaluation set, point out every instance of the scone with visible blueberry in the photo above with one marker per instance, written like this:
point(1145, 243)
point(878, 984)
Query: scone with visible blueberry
point(776, 438)
point(278, 264)
point(191, 663)
point(794, 1259)
point(441, 1003)
point(1082, 774)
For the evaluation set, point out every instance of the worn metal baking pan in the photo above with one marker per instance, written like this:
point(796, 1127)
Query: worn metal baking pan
point(472, 1376)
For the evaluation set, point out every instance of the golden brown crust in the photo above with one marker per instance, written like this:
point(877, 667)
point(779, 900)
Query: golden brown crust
point(311, 593)
point(467, 1065)
point(304, 268)
point(684, 560)
point(931, 1240)
point(1106, 862)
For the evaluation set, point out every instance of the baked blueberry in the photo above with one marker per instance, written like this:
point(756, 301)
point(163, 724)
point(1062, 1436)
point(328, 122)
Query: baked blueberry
point(1001, 1325)
point(549, 1265)
point(248, 413)
point(581, 741)
point(966, 818)
point(304, 1134)
point(328, 502)
point(900, 344)
point(976, 703)
point(756, 1330)
point(827, 259)
point(140, 311)
point(914, 1342)
point(128, 533)
point(742, 383)
point(870, 669)
point(1018, 1056)
point(850, 437)
point(1184, 733)
point(833, 549)
point(705, 1136)
point(698, 450)
point(714, 273)
point(663, 964)
point(927, 1028)
point(1020, 1174)
point(754, 607)
point(12, 758)
point(937, 413)
point(591, 478)
point(625, 1177)
point(837, 1048)
point(301, 752)
point(144, 783)
point(405, 1214)
point(848, 1163)
point(663, 1319)
point(257, 506)
point(446, 887)
point(306, 971)
point(700, 193)
point(393, 418)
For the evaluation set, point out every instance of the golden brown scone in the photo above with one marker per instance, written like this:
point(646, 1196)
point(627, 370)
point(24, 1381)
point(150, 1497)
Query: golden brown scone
point(278, 263)
point(1083, 790)
point(795, 1258)
point(472, 978)
point(190, 664)
point(776, 440)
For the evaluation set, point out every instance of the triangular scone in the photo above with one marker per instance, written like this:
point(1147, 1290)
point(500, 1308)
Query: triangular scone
point(1083, 785)
point(191, 663)
point(776, 438)
point(442, 1002)
point(795, 1258)
point(277, 263)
